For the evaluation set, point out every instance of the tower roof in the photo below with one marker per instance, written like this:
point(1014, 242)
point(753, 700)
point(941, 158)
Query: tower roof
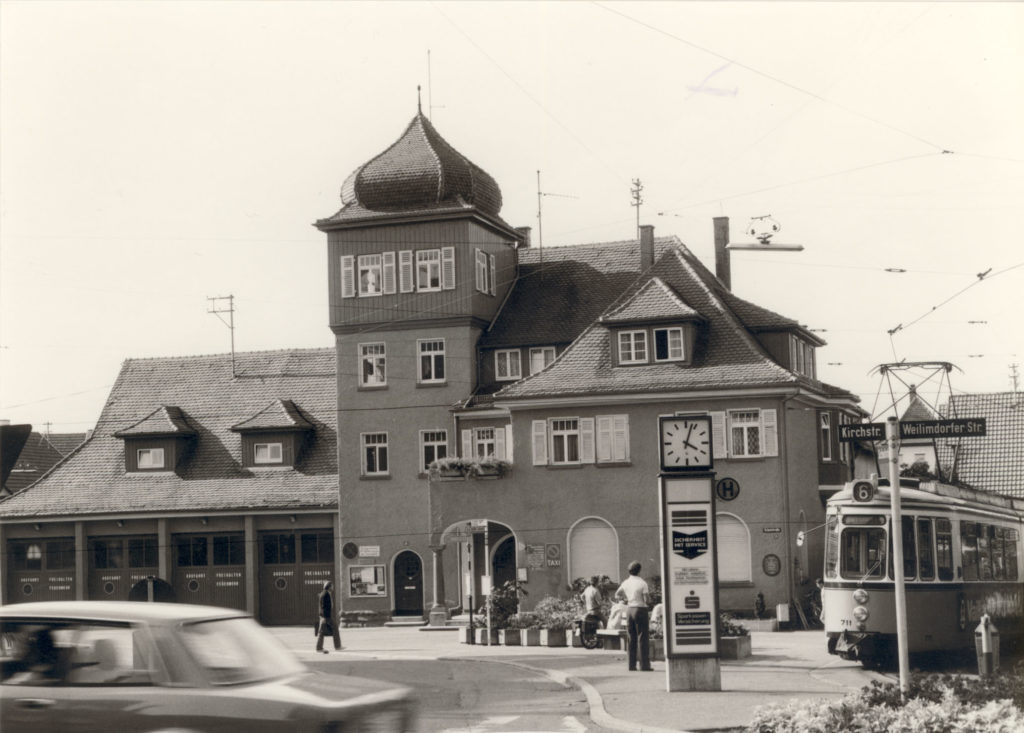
point(420, 171)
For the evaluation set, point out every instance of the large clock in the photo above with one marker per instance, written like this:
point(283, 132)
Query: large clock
point(686, 443)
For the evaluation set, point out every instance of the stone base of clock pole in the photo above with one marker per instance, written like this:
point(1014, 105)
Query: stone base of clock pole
point(693, 674)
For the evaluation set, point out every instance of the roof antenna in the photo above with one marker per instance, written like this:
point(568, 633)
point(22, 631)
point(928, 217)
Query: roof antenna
point(216, 310)
point(419, 104)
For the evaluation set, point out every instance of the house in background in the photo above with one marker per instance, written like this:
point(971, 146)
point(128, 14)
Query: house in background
point(39, 453)
point(995, 461)
point(217, 476)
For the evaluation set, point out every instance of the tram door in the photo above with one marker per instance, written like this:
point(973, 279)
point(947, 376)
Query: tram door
point(408, 584)
point(293, 568)
point(118, 563)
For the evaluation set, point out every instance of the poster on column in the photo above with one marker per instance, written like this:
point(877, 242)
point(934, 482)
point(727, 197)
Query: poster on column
point(689, 568)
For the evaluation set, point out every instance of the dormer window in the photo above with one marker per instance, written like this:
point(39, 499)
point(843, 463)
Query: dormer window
point(149, 459)
point(506, 365)
point(274, 437)
point(541, 357)
point(632, 347)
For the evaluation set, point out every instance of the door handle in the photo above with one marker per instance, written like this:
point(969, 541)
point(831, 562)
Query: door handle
point(36, 703)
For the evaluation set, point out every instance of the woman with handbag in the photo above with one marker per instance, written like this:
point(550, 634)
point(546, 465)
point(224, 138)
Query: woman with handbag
point(326, 624)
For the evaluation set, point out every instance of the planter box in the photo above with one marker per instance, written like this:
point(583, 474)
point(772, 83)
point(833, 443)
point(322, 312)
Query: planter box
point(509, 637)
point(529, 637)
point(759, 624)
point(553, 637)
point(465, 633)
point(734, 647)
point(482, 638)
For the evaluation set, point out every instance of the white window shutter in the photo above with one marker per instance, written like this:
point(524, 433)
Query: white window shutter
point(405, 271)
point(620, 437)
point(499, 443)
point(477, 254)
point(494, 289)
point(770, 431)
point(586, 440)
point(388, 274)
point(604, 438)
point(540, 442)
point(467, 444)
point(448, 268)
point(348, 277)
point(508, 443)
point(719, 446)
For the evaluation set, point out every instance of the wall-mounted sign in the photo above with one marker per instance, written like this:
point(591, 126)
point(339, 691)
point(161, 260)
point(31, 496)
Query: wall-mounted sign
point(553, 553)
point(688, 565)
point(369, 551)
point(535, 557)
point(350, 550)
point(771, 530)
point(727, 489)
point(771, 565)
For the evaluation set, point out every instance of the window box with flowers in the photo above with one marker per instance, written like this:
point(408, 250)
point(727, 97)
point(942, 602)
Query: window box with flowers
point(455, 467)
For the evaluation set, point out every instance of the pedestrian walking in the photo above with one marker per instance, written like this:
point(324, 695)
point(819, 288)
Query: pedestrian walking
point(635, 594)
point(327, 624)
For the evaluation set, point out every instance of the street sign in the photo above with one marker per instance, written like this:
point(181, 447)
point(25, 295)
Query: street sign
point(969, 427)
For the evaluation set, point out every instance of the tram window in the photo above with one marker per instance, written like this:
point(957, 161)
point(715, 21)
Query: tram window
point(969, 549)
point(831, 547)
point(925, 553)
point(944, 548)
point(1011, 544)
point(863, 553)
point(998, 562)
point(984, 552)
point(909, 553)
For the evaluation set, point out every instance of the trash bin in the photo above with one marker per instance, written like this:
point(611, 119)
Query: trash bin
point(986, 644)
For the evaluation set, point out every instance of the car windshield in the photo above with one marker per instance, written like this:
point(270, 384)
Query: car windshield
point(238, 650)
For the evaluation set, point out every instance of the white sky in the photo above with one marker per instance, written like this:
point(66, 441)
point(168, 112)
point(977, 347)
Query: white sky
point(154, 154)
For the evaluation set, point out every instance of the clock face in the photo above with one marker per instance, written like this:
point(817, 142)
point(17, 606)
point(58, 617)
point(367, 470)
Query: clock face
point(686, 443)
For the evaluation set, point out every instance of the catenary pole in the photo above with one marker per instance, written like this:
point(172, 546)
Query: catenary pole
point(892, 434)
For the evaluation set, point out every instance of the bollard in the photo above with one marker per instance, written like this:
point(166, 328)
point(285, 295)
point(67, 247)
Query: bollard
point(986, 644)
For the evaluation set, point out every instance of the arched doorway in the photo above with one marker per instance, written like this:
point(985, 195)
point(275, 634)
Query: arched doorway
point(408, 584)
point(505, 561)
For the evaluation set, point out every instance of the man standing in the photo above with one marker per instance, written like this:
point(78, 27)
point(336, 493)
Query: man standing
point(635, 593)
point(327, 623)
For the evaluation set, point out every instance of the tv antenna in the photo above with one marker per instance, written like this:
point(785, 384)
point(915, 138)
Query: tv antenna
point(430, 92)
point(637, 200)
point(217, 309)
point(540, 226)
point(763, 228)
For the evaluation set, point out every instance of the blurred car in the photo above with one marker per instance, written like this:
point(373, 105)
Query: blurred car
point(78, 666)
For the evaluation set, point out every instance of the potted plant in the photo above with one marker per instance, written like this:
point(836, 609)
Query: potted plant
point(555, 617)
point(733, 638)
point(489, 467)
point(449, 467)
point(528, 626)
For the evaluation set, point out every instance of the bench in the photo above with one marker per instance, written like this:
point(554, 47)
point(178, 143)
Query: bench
point(612, 639)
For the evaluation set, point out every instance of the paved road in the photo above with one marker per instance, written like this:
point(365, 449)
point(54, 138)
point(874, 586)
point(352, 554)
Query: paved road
point(463, 696)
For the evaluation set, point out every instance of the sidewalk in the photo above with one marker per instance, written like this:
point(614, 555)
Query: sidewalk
point(784, 666)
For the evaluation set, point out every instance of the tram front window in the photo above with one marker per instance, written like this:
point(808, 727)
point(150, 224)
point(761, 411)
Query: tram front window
point(863, 553)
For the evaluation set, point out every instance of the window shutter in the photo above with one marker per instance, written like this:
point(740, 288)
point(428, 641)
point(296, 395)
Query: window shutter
point(477, 254)
point(447, 268)
point(604, 438)
point(467, 443)
point(770, 430)
point(388, 275)
point(540, 443)
point(348, 277)
point(508, 443)
point(405, 271)
point(620, 437)
point(586, 440)
point(719, 446)
point(499, 443)
point(494, 288)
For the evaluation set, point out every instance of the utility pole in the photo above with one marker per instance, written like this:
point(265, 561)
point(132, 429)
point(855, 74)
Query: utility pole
point(216, 309)
point(892, 434)
point(637, 200)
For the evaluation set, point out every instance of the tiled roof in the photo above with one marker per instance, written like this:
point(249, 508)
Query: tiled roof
point(168, 421)
point(93, 480)
point(562, 290)
point(278, 415)
point(726, 356)
point(65, 442)
point(918, 409)
point(420, 172)
point(654, 301)
point(994, 462)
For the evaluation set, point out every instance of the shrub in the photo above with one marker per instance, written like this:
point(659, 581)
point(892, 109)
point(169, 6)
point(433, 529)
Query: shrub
point(968, 690)
point(556, 613)
point(728, 627)
point(524, 620)
point(503, 603)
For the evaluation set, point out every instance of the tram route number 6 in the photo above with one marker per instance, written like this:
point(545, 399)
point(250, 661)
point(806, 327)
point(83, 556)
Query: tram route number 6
point(863, 491)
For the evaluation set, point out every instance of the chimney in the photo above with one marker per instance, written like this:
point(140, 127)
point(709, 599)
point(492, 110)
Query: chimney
point(721, 253)
point(646, 246)
point(524, 237)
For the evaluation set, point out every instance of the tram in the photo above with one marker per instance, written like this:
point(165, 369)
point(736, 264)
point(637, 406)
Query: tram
point(963, 552)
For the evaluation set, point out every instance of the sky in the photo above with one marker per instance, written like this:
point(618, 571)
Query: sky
point(154, 155)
